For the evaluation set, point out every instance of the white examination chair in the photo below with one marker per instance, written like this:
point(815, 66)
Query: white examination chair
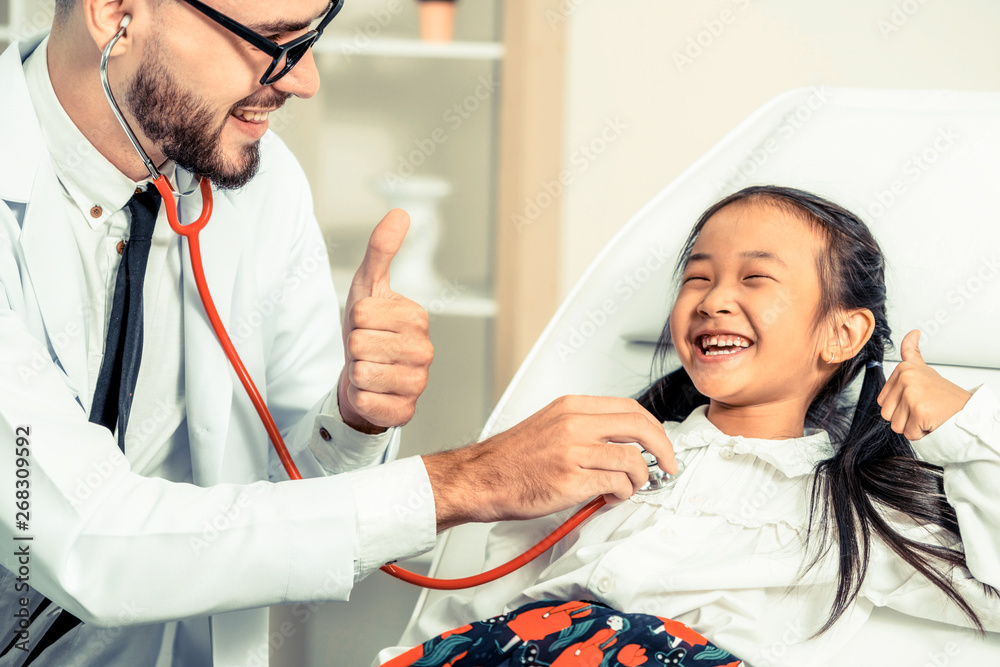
point(922, 168)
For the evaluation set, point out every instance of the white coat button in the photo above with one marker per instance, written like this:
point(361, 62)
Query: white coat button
point(605, 585)
point(727, 452)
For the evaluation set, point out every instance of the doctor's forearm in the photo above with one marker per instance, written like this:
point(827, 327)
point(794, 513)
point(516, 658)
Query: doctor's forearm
point(456, 498)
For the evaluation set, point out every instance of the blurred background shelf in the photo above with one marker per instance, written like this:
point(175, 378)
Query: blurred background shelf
point(408, 48)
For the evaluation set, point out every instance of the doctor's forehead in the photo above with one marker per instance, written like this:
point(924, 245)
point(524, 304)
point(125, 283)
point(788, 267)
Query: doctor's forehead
point(271, 17)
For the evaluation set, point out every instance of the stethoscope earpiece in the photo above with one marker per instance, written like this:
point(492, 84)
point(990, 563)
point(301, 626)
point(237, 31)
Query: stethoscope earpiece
point(125, 21)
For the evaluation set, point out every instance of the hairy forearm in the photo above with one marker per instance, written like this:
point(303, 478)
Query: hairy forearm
point(457, 498)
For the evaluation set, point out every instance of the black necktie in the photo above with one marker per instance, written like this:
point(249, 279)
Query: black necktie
point(120, 368)
point(123, 347)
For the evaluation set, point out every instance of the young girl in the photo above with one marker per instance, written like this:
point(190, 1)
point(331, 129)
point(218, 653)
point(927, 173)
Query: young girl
point(798, 510)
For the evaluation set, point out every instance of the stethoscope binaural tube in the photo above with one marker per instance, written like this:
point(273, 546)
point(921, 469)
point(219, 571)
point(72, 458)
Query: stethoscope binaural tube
point(190, 231)
point(105, 55)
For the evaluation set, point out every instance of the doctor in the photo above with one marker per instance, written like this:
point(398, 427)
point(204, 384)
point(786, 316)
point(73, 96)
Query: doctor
point(174, 513)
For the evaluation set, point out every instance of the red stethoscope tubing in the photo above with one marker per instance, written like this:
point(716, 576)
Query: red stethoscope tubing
point(190, 231)
point(501, 570)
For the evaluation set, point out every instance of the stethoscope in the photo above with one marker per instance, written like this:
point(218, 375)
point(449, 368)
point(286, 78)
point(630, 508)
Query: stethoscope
point(658, 480)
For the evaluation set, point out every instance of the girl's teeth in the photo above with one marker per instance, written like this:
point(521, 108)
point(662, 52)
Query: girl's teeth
point(712, 353)
point(724, 341)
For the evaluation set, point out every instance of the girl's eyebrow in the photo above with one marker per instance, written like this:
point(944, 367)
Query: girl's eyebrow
point(747, 254)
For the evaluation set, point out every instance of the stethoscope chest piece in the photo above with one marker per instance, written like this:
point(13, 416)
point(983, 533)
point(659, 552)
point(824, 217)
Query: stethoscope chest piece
point(658, 480)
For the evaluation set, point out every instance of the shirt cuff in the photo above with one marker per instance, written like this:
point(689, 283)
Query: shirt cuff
point(396, 517)
point(339, 448)
point(970, 434)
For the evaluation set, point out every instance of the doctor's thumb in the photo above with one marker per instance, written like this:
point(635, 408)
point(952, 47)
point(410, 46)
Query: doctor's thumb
point(385, 242)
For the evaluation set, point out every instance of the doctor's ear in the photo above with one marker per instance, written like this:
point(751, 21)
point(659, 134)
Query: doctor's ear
point(103, 19)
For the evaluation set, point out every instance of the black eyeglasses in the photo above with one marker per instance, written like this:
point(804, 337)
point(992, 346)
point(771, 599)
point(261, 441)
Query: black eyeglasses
point(283, 56)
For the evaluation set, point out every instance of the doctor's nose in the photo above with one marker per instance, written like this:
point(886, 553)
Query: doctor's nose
point(302, 80)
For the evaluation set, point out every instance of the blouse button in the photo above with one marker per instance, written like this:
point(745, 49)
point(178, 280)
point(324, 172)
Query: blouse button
point(96, 211)
point(121, 247)
point(323, 433)
point(727, 452)
point(605, 584)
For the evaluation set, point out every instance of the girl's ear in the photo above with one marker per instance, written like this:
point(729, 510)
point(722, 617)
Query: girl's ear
point(848, 334)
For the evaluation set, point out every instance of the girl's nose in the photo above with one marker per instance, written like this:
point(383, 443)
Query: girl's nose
point(717, 301)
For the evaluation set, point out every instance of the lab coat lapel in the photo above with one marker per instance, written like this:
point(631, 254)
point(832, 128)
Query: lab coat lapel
point(49, 247)
point(208, 376)
point(56, 273)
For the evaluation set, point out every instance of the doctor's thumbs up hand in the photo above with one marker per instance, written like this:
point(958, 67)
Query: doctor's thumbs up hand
point(915, 398)
point(387, 347)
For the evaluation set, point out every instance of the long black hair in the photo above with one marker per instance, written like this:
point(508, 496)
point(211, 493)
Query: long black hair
point(873, 467)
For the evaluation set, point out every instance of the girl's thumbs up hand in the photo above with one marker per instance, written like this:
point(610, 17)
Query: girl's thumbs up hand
point(916, 399)
point(387, 347)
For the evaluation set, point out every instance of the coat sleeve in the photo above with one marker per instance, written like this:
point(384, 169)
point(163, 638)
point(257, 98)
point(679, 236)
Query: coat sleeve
point(967, 446)
point(105, 538)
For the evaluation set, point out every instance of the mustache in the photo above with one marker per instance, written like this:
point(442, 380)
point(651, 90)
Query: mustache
point(265, 99)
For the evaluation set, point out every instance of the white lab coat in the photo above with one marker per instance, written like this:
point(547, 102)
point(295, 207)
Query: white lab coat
point(90, 515)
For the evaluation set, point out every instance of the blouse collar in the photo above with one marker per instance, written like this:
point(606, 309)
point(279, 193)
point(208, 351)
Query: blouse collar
point(791, 456)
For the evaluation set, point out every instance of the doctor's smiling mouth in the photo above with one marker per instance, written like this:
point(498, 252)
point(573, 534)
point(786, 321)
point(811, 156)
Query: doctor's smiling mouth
point(228, 153)
point(178, 93)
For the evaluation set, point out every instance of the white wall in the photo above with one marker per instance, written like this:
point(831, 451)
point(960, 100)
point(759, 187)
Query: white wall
point(621, 65)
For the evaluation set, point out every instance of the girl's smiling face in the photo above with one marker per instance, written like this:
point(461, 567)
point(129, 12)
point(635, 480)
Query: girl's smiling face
point(744, 322)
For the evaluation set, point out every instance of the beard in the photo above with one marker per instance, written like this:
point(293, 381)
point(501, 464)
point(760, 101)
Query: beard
point(168, 115)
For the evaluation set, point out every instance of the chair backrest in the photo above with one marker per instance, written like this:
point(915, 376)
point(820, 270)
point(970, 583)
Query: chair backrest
point(922, 168)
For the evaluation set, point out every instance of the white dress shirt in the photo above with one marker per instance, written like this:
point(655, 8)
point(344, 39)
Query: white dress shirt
point(157, 442)
point(722, 550)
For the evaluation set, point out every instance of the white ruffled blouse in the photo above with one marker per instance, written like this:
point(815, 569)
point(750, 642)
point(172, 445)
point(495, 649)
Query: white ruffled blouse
point(723, 549)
